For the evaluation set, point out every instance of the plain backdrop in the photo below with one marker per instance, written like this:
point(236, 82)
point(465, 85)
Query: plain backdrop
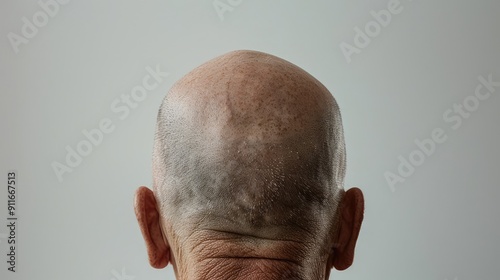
point(439, 221)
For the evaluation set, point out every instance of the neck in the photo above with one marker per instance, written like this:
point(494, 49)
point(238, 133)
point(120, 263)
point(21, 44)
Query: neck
point(230, 256)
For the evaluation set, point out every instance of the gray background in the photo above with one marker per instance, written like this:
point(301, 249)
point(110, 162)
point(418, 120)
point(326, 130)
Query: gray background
point(440, 223)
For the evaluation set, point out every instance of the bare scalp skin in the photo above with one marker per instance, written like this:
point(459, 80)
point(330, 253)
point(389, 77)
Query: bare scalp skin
point(248, 164)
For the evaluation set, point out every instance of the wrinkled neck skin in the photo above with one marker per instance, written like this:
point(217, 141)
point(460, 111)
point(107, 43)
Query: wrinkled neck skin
point(208, 254)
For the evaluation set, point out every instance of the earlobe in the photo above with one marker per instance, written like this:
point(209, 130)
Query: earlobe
point(149, 221)
point(351, 217)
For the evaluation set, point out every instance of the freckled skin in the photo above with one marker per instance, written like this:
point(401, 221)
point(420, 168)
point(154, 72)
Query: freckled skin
point(251, 113)
point(266, 94)
point(248, 167)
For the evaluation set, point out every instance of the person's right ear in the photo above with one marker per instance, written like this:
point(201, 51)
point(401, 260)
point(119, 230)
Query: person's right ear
point(352, 210)
point(149, 221)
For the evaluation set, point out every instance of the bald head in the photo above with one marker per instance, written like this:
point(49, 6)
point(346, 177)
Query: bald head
point(248, 139)
point(251, 146)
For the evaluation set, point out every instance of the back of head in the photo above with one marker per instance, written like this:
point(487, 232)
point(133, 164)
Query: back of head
point(252, 144)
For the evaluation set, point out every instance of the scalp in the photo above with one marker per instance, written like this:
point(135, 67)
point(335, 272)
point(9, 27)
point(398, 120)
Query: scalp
point(248, 139)
point(252, 90)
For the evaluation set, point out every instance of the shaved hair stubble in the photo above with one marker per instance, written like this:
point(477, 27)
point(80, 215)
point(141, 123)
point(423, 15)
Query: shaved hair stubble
point(249, 148)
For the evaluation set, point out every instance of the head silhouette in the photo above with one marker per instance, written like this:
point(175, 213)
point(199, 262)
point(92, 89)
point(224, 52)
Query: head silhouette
point(248, 170)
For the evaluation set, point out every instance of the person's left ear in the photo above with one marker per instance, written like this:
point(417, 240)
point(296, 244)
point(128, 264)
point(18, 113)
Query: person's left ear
point(149, 221)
